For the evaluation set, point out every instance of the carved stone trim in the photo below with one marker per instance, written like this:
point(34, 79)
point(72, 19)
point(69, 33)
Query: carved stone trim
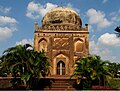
point(60, 27)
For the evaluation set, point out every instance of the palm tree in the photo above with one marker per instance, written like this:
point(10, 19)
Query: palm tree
point(100, 69)
point(89, 69)
point(20, 61)
point(82, 71)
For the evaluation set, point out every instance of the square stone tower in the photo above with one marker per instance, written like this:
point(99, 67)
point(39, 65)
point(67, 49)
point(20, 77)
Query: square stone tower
point(63, 39)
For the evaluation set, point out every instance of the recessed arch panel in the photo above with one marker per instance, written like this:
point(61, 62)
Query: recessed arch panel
point(42, 44)
point(78, 46)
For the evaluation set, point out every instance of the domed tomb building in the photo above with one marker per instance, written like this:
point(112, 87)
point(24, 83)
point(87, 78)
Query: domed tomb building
point(63, 39)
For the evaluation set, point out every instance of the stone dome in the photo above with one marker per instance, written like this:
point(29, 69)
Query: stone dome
point(61, 16)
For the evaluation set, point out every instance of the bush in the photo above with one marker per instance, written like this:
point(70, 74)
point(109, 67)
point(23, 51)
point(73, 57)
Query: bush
point(101, 88)
point(114, 83)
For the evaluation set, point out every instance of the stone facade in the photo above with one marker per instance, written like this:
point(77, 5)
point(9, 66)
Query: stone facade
point(63, 39)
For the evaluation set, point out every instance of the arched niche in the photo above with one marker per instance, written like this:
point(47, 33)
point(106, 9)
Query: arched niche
point(42, 45)
point(79, 46)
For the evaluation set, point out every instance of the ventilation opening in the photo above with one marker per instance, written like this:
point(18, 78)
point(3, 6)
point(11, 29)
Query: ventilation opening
point(56, 21)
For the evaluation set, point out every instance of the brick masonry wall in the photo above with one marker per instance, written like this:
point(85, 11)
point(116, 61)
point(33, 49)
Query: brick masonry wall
point(5, 82)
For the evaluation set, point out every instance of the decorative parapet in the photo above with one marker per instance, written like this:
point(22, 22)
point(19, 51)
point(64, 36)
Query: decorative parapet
point(61, 27)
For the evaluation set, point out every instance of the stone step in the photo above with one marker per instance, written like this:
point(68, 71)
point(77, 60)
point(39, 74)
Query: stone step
point(73, 89)
point(60, 90)
point(60, 86)
point(65, 83)
point(62, 80)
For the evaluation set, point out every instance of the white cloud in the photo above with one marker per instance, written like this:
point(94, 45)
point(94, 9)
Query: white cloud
point(5, 19)
point(35, 10)
point(69, 5)
point(104, 1)
point(25, 41)
point(7, 27)
point(5, 33)
point(98, 17)
point(92, 37)
point(94, 48)
point(115, 16)
point(104, 52)
point(5, 9)
point(90, 28)
point(109, 40)
point(104, 23)
point(104, 47)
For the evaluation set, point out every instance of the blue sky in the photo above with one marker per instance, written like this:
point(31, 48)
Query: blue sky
point(17, 19)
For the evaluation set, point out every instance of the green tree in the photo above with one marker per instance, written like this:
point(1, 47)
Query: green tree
point(117, 30)
point(89, 69)
point(114, 68)
point(25, 63)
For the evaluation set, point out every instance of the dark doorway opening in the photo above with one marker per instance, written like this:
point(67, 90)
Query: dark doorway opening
point(60, 68)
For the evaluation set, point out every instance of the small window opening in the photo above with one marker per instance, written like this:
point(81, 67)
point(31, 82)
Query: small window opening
point(56, 21)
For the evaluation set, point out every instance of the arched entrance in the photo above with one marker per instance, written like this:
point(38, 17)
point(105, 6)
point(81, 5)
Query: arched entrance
point(60, 68)
point(60, 65)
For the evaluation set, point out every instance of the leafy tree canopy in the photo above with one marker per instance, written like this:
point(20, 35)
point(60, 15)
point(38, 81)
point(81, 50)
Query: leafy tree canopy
point(23, 62)
point(89, 69)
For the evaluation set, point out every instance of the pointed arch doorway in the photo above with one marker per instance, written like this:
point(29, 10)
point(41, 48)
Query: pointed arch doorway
point(60, 68)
